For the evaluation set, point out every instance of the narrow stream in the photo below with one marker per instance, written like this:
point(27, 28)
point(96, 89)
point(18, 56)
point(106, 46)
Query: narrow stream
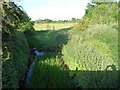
point(27, 80)
point(29, 73)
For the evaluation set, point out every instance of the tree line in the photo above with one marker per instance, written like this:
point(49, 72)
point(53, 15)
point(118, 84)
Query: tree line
point(55, 21)
point(99, 13)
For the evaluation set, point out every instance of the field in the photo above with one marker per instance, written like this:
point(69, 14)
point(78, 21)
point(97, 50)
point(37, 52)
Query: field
point(88, 59)
point(52, 26)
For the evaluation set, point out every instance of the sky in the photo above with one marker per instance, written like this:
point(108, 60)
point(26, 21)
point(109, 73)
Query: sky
point(54, 9)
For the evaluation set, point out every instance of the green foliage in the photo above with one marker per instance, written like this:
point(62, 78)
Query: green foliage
point(12, 16)
point(49, 74)
point(92, 51)
point(14, 43)
point(51, 21)
point(14, 67)
point(21, 54)
point(89, 10)
point(99, 13)
point(44, 21)
point(47, 39)
point(105, 13)
point(26, 26)
point(41, 21)
point(82, 24)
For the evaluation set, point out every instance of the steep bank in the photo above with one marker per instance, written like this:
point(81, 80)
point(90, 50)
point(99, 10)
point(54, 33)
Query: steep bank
point(16, 66)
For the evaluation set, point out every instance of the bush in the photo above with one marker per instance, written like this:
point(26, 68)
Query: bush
point(82, 24)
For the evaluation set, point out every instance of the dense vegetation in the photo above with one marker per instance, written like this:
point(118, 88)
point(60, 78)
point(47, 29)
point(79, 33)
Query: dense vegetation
point(94, 53)
point(76, 56)
point(89, 49)
point(14, 44)
point(99, 13)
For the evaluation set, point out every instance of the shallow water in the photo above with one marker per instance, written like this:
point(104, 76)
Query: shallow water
point(29, 73)
point(40, 54)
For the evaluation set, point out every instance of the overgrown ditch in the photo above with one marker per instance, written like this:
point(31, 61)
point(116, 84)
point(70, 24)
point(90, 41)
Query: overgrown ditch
point(32, 60)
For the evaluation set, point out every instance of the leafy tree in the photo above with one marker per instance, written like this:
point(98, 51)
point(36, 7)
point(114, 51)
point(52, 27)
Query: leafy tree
point(89, 9)
point(13, 17)
point(99, 12)
point(105, 13)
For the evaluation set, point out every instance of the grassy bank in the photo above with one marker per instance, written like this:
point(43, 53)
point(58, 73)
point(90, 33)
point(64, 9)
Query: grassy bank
point(15, 67)
point(94, 52)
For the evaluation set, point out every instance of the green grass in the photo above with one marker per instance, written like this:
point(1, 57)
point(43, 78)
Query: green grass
point(48, 73)
point(48, 39)
point(52, 26)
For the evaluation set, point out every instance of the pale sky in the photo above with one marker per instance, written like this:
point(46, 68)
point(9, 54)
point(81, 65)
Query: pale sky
point(54, 9)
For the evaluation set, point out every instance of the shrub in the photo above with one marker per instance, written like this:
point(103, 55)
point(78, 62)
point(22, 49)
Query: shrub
point(82, 24)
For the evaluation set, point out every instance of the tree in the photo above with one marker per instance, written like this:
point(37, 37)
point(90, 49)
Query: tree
point(100, 12)
point(90, 8)
point(13, 18)
point(47, 20)
point(73, 20)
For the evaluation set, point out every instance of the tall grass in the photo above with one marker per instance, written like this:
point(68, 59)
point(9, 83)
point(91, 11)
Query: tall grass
point(15, 68)
point(49, 74)
point(92, 51)
point(48, 39)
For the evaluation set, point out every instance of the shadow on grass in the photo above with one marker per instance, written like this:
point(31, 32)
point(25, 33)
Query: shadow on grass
point(48, 76)
point(108, 78)
point(49, 41)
